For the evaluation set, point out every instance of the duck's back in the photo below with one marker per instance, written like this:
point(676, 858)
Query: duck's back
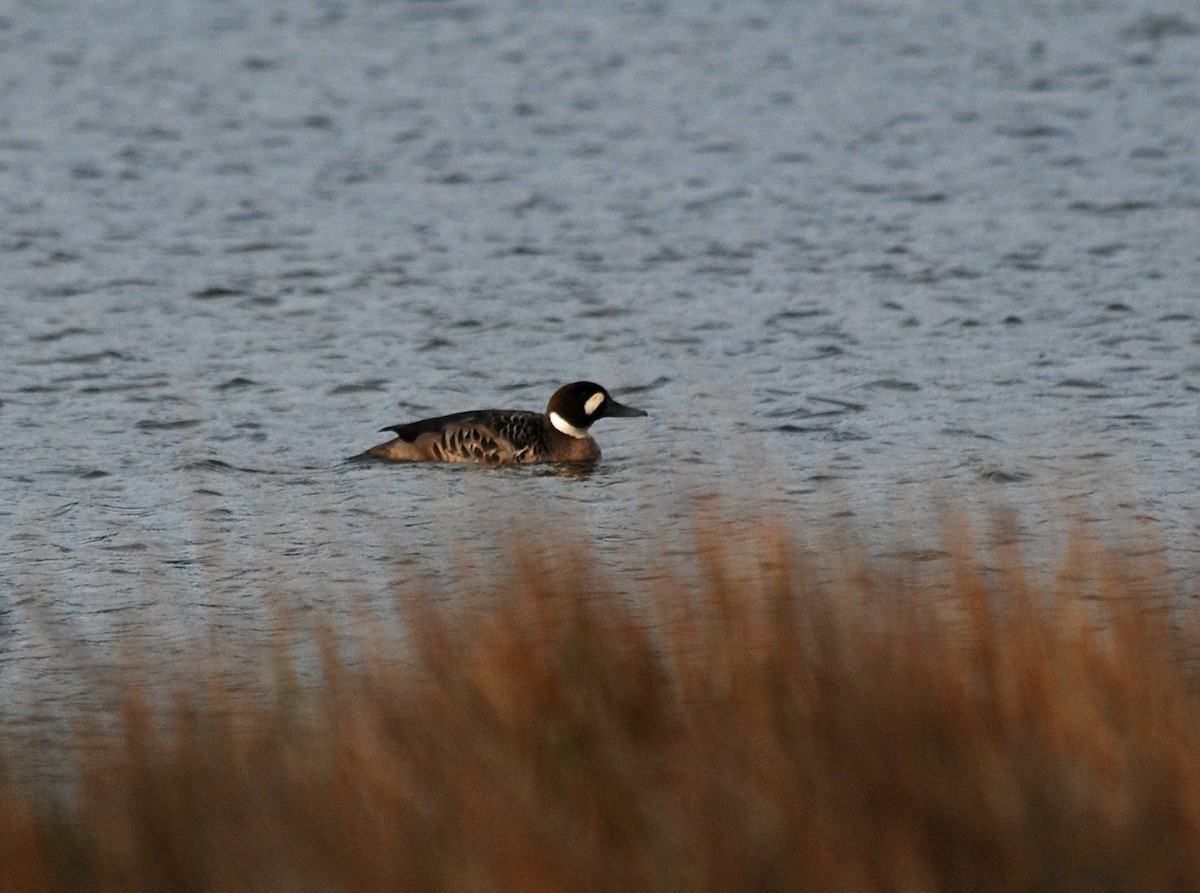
point(488, 436)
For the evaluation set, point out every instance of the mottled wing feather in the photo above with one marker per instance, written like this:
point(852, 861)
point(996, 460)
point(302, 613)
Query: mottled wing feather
point(469, 443)
point(488, 437)
point(524, 431)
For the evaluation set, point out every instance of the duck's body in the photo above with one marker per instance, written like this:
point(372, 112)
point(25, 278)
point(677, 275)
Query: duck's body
point(508, 436)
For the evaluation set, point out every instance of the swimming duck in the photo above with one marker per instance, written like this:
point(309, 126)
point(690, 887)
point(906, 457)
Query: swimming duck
point(509, 436)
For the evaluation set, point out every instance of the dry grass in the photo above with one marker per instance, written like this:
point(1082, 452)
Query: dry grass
point(773, 727)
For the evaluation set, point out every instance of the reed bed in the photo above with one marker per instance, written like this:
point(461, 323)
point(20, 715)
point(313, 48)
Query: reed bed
point(761, 721)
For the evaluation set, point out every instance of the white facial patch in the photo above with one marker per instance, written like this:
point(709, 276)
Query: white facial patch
point(593, 402)
point(566, 427)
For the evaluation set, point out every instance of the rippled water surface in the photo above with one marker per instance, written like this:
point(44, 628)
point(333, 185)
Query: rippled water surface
point(853, 258)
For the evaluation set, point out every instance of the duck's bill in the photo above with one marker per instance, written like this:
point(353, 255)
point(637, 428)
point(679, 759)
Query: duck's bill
point(620, 410)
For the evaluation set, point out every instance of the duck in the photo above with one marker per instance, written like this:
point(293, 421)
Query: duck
point(509, 436)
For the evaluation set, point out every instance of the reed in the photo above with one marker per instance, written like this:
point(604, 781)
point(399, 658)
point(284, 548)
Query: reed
point(764, 720)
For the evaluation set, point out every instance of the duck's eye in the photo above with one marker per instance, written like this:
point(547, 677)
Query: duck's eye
point(593, 403)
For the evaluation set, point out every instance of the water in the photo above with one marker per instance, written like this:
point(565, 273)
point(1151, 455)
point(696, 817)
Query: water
point(853, 258)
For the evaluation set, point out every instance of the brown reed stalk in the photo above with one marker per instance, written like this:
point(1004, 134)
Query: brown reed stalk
point(778, 718)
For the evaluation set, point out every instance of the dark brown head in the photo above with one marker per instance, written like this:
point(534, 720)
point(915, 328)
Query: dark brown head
point(575, 407)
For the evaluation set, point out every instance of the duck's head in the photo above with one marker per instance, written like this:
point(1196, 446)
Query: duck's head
point(575, 407)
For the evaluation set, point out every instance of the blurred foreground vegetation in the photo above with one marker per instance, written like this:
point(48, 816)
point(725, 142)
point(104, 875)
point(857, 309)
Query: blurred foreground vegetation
point(761, 720)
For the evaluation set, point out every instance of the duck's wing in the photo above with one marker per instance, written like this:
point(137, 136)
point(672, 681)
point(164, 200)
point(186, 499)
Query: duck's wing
point(521, 429)
point(490, 437)
point(410, 431)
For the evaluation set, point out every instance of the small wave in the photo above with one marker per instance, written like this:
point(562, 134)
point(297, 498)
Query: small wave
point(219, 291)
point(1121, 206)
point(891, 384)
point(166, 424)
point(59, 334)
point(218, 465)
point(98, 356)
point(1001, 476)
point(1157, 26)
point(237, 384)
point(356, 387)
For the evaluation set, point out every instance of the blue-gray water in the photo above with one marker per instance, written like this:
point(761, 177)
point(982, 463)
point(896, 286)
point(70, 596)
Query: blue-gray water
point(853, 258)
